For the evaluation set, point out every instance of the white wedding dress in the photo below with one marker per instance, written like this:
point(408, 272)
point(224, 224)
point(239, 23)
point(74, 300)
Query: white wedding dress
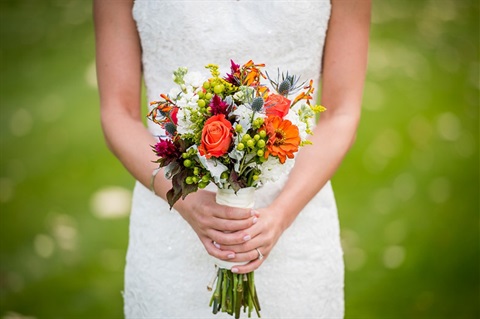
point(167, 266)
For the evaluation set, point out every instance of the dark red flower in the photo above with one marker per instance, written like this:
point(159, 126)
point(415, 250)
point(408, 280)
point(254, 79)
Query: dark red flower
point(166, 149)
point(218, 106)
point(234, 76)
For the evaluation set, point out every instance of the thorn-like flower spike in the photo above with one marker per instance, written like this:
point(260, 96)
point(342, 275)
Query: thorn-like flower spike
point(257, 104)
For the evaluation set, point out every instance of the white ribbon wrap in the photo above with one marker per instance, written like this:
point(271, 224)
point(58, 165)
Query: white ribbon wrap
point(244, 198)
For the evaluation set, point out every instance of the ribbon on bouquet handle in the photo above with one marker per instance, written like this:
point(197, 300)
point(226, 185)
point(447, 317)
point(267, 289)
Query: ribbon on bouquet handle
point(244, 198)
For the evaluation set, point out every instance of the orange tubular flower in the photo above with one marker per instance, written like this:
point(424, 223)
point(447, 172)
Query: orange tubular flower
point(283, 138)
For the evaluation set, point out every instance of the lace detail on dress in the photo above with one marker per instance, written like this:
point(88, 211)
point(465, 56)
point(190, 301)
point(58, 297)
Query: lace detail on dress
point(167, 266)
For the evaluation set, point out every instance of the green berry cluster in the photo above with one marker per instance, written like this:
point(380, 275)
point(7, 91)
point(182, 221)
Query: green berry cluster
point(196, 173)
point(254, 144)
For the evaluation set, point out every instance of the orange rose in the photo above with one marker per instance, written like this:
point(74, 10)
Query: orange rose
point(278, 105)
point(216, 136)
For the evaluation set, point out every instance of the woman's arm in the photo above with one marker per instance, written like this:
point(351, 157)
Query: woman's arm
point(119, 71)
point(344, 67)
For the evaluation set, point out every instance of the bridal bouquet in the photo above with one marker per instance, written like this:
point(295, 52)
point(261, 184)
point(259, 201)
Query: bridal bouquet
point(238, 133)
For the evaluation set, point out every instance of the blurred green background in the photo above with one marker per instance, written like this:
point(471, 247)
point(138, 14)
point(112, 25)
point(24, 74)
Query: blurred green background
point(408, 192)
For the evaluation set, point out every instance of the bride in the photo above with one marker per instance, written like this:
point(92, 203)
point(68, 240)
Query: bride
point(294, 225)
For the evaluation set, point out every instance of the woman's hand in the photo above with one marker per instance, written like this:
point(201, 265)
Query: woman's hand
point(265, 233)
point(216, 225)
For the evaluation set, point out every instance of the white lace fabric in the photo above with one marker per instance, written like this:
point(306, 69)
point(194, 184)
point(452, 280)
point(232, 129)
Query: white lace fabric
point(167, 266)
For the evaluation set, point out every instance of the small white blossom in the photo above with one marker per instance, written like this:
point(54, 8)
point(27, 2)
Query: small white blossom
point(272, 169)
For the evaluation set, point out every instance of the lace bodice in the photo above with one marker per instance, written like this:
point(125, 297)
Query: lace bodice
point(288, 35)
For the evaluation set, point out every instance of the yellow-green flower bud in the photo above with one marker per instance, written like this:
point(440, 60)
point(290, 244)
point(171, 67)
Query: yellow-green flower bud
point(262, 133)
point(238, 128)
point(261, 143)
point(201, 103)
point(260, 153)
point(189, 180)
point(256, 137)
point(251, 143)
point(240, 146)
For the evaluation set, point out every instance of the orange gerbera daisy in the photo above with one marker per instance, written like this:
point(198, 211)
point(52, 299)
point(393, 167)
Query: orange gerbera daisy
point(283, 138)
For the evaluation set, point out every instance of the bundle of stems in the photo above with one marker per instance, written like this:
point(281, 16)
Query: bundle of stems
point(232, 291)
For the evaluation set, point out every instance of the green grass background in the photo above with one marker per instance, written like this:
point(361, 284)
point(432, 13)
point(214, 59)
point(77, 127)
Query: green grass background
point(408, 191)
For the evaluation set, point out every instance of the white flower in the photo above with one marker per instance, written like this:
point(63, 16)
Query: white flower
point(184, 124)
point(193, 79)
point(272, 169)
point(174, 92)
point(244, 116)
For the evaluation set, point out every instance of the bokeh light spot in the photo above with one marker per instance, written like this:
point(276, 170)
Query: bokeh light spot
point(465, 146)
point(91, 75)
point(449, 126)
point(355, 258)
point(393, 256)
point(16, 315)
point(21, 122)
point(111, 202)
point(51, 108)
point(383, 201)
point(395, 232)
point(404, 186)
point(65, 231)
point(374, 97)
point(439, 190)
point(420, 131)
point(44, 245)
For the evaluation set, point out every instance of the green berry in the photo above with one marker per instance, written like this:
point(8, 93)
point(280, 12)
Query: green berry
point(201, 103)
point(202, 185)
point(196, 171)
point(189, 180)
point(246, 137)
point(224, 175)
point(195, 179)
point(206, 85)
point(238, 128)
point(208, 96)
point(256, 137)
point(260, 153)
point(205, 179)
point(185, 155)
point(187, 163)
point(219, 88)
point(262, 133)
point(201, 94)
point(251, 143)
point(240, 146)
point(261, 143)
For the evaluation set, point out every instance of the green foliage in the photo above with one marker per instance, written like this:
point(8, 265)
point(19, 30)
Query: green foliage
point(407, 191)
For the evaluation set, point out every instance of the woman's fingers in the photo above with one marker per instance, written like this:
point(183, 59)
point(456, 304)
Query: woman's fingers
point(233, 213)
point(251, 266)
point(216, 252)
point(230, 225)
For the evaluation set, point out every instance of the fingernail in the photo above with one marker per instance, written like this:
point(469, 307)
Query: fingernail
point(231, 256)
point(253, 212)
point(247, 238)
point(216, 245)
point(234, 270)
point(255, 220)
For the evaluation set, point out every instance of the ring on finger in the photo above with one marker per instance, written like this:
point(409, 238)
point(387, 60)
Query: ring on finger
point(260, 255)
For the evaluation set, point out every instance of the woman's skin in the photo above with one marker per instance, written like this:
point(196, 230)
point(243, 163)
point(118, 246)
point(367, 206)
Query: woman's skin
point(119, 73)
